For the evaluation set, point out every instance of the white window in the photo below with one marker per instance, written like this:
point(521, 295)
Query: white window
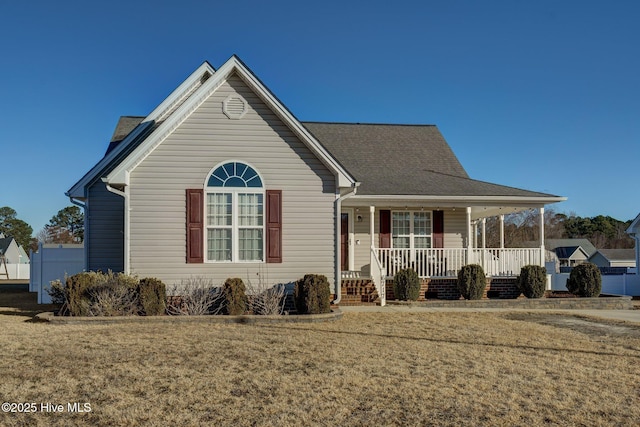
point(411, 229)
point(235, 214)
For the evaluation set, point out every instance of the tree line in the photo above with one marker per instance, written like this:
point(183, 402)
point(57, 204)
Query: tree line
point(522, 228)
point(67, 226)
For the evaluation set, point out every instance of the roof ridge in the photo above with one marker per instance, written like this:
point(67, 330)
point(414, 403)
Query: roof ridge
point(368, 123)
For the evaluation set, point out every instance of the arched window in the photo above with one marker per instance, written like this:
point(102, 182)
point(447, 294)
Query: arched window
point(234, 212)
point(234, 174)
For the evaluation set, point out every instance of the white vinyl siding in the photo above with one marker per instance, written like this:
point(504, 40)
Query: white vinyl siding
point(185, 158)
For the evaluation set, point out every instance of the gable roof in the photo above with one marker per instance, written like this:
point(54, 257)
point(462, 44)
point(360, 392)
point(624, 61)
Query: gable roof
point(618, 254)
point(4, 244)
point(383, 160)
point(124, 127)
point(404, 160)
point(585, 245)
point(179, 105)
point(633, 226)
point(565, 252)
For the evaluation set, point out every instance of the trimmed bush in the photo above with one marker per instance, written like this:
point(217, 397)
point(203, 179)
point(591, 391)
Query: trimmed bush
point(406, 285)
point(235, 296)
point(152, 294)
point(76, 293)
point(312, 294)
point(532, 281)
point(114, 294)
point(585, 281)
point(471, 281)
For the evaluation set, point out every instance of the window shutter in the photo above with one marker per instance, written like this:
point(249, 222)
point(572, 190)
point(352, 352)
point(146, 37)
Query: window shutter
point(195, 226)
point(274, 226)
point(438, 229)
point(385, 229)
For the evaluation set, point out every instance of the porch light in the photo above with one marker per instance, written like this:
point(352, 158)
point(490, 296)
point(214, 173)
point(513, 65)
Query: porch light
point(359, 218)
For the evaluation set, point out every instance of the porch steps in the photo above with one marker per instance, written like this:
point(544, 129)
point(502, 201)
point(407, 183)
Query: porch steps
point(360, 291)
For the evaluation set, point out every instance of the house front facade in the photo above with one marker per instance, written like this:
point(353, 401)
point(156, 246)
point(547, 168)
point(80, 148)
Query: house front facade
point(221, 180)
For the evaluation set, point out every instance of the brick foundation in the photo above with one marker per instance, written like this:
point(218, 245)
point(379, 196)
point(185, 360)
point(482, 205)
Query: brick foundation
point(358, 292)
point(447, 289)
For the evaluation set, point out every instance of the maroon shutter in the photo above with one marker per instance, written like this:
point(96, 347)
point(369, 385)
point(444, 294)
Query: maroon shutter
point(274, 226)
point(438, 229)
point(385, 229)
point(195, 224)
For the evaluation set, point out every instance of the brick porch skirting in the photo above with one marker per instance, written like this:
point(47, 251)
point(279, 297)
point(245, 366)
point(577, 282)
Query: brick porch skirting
point(447, 289)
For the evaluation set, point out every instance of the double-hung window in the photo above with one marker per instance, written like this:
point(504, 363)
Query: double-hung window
point(234, 214)
point(411, 229)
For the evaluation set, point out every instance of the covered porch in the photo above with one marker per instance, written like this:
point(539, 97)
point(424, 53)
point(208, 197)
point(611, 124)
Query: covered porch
point(379, 240)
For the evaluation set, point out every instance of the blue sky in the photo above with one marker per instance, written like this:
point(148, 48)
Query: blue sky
point(541, 95)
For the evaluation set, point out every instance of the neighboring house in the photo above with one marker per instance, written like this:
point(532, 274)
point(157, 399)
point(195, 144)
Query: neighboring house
point(584, 244)
point(12, 252)
point(570, 256)
point(14, 261)
point(221, 180)
point(614, 258)
point(569, 252)
point(634, 231)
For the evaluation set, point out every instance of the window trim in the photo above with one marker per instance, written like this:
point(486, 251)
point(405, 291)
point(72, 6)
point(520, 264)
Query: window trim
point(235, 226)
point(411, 234)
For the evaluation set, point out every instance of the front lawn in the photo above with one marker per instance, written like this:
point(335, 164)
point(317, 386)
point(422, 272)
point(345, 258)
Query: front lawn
point(366, 369)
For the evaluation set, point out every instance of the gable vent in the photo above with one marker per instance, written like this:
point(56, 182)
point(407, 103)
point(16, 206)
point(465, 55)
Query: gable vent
point(234, 107)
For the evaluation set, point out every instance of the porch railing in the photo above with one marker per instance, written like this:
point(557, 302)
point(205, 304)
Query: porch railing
point(447, 262)
point(378, 277)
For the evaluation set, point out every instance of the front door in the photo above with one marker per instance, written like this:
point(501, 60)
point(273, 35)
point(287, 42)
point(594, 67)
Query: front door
point(344, 241)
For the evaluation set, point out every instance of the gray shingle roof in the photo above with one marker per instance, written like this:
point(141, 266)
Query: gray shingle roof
point(585, 244)
point(388, 159)
point(618, 254)
point(403, 160)
point(124, 127)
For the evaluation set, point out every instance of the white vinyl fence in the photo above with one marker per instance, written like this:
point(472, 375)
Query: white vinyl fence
point(53, 262)
point(618, 284)
point(15, 271)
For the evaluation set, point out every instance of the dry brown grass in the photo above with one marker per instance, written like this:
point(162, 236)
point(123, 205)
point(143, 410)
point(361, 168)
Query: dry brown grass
point(366, 369)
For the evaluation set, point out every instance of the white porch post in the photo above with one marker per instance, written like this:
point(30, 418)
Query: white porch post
point(502, 231)
point(542, 236)
point(475, 233)
point(484, 233)
point(469, 242)
point(372, 217)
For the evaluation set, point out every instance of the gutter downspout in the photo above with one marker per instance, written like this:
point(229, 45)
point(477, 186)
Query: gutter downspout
point(125, 195)
point(338, 227)
point(86, 228)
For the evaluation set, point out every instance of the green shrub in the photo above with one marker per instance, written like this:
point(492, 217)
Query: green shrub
point(532, 281)
point(77, 294)
point(585, 280)
point(152, 295)
point(312, 294)
point(471, 281)
point(406, 285)
point(235, 296)
point(56, 291)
